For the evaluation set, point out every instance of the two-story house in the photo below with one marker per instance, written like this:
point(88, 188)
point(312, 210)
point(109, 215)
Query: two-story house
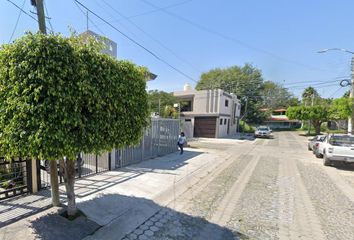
point(208, 113)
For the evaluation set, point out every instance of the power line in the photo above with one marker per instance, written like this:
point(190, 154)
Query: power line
point(49, 18)
point(93, 24)
point(136, 43)
point(151, 11)
point(313, 84)
point(150, 36)
point(335, 92)
point(24, 11)
point(18, 19)
point(319, 87)
point(221, 35)
point(309, 82)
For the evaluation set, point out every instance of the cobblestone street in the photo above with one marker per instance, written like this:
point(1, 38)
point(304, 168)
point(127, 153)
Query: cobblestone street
point(266, 189)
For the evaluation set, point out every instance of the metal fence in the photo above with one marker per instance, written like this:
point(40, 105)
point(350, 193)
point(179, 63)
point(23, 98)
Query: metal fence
point(15, 179)
point(85, 165)
point(159, 139)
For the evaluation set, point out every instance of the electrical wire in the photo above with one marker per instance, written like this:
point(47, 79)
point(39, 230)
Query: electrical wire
point(229, 38)
point(335, 92)
point(310, 82)
point(93, 24)
point(17, 21)
point(149, 12)
point(49, 18)
point(25, 12)
point(136, 43)
point(22, 10)
point(151, 37)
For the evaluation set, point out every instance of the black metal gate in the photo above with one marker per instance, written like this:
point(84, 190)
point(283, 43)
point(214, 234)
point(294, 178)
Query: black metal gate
point(85, 165)
point(15, 178)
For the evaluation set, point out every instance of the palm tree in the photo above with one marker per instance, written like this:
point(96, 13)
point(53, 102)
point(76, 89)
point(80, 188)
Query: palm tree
point(309, 93)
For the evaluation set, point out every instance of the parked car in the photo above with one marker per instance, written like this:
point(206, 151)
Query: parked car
point(318, 147)
point(338, 148)
point(263, 131)
point(311, 145)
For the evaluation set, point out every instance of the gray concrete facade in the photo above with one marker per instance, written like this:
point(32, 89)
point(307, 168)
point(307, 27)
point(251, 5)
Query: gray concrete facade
point(210, 103)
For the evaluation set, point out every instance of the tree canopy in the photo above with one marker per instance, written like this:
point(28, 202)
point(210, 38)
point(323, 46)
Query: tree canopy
point(62, 96)
point(325, 110)
point(341, 108)
point(59, 97)
point(167, 100)
point(276, 96)
point(317, 114)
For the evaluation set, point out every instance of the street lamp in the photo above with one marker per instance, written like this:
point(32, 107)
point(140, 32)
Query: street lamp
point(351, 118)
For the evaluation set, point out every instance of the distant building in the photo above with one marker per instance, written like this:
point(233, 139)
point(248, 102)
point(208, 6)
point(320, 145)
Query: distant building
point(279, 120)
point(208, 113)
point(111, 48)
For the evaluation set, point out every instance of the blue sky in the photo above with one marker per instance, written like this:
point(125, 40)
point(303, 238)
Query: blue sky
point(279, 37)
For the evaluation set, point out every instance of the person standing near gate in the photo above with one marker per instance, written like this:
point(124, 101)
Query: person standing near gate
point(181, 141)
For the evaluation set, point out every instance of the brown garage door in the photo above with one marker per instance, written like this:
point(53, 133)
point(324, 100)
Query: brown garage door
point(205, 127)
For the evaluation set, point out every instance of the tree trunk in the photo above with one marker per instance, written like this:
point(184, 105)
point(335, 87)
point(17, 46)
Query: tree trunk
point(317, 126)
point(54, 183)
point(69, 179)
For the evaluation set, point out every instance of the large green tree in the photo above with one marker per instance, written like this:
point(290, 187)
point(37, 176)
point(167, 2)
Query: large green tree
point(60, 97)
point(246, 82)
point(276, 96)
point(317, 114)
point(159, 101)
point(341, 108)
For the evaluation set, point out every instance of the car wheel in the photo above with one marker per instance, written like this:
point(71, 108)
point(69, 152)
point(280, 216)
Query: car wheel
point(326, 162)
point(318, 155)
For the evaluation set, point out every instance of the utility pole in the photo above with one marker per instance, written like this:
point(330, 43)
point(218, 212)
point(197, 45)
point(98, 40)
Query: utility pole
point(351, 118)
point(40, 14)
point(52, 164)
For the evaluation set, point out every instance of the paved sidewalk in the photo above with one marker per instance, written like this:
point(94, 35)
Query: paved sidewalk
point(115, 202)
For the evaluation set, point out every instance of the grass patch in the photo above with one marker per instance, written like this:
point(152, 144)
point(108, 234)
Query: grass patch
point(246, 128)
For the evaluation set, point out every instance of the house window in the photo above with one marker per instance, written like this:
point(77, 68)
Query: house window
point(226, 103)
point(188, 120)
point(225, 121)
point(186, 106)
point(220, 121)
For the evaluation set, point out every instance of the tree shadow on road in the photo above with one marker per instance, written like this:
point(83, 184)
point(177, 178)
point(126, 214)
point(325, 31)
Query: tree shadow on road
point(114, 216)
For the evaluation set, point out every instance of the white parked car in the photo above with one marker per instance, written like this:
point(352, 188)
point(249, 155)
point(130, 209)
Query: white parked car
point(318, 147)
point(263, 131)
point(313, 142)
point(338, 148)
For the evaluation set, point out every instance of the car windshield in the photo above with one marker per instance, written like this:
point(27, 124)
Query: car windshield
point(342, 140)
point(262, 129)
